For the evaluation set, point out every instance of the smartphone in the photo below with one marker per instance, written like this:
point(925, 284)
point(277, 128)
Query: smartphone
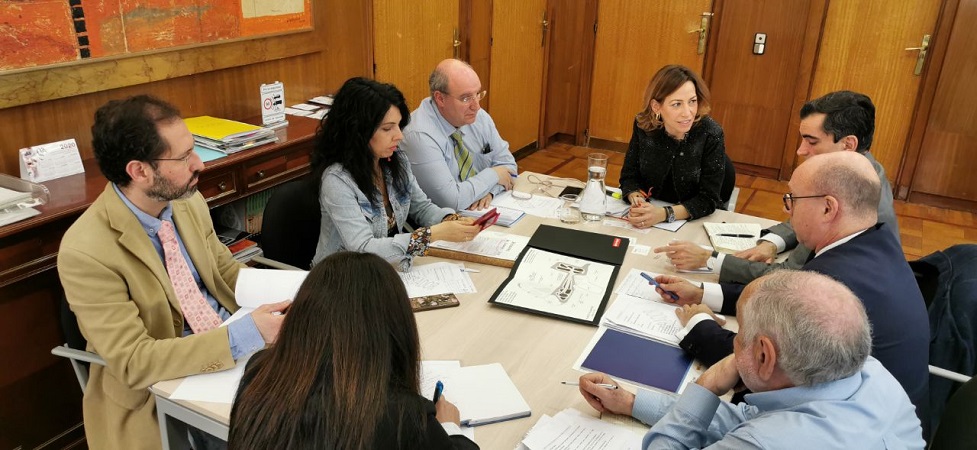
point(488, 219)
point(438, 388)
point(653, 281)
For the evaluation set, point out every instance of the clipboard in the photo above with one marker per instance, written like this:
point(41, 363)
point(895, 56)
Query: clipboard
point(598, 248)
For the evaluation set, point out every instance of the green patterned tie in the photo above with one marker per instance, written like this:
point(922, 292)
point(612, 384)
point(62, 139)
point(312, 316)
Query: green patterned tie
point(463, 156)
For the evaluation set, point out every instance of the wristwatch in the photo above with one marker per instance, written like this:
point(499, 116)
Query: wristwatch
point(711, 262)
point(669, 214)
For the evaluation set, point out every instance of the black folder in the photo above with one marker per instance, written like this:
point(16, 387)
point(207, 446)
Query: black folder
point(585, 245)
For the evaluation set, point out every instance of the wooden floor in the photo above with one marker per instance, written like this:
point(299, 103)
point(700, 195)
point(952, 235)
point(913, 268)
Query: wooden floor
point(924, 229)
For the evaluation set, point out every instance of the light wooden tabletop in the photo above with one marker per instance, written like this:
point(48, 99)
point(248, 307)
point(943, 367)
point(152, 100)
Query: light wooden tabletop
point(538, 352)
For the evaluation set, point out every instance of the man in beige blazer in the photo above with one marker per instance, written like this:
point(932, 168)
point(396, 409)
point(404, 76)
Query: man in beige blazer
point(112, 266)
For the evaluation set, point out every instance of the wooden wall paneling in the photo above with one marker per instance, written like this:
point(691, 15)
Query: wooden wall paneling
point(634, 40)
point(752, 95)
point(476, 29)
point(569, 68)
point(517, 69)
point(948, 157)
point(232, 93)
point(931, 78)
point(863, 49)
point(406, 53)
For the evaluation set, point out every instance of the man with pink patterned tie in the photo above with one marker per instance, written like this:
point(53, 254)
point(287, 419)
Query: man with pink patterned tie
point(146, 276)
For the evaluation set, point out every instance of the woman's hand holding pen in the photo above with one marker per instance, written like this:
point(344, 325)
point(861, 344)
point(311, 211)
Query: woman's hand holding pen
point(446, 412)
point(645, 215)
point(268, 319)
point(638, 198)
point(617, 401)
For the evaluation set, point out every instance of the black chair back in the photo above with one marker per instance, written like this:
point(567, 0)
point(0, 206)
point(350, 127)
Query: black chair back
point(290, 223)
point(956, 429)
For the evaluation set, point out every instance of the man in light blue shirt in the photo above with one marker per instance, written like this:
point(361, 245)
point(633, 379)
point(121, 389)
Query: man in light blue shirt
point(803, 349)
point(456, 153)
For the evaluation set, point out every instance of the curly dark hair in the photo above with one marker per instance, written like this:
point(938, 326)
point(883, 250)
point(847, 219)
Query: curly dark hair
point(846, 113)
point(125, 130)
point(344, 135)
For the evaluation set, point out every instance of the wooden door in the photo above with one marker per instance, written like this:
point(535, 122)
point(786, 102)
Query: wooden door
point(948, 156)
point(409, 39)
point(753, 94)
point(517, 69)
point(634, 40)
point(863, 49)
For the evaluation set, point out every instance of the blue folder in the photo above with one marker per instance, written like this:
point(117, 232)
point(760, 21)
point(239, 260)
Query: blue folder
point(639, 360)
point(207, 154)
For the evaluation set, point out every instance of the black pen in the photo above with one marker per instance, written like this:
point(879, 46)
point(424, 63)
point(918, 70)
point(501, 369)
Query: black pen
point(736, 235)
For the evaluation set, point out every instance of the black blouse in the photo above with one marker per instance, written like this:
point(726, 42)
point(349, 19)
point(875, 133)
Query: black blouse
point(689, 172)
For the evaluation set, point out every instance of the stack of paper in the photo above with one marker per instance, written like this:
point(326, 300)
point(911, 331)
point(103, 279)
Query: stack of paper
point(732, 237)
point(645, 318)
point(228, 136)
point(572, 429)
point(437, 278)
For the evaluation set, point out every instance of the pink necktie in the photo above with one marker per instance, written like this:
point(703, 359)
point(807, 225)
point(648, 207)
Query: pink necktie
point(200, 315)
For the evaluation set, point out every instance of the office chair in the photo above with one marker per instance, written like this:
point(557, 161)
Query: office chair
point(74, 346)
point(948, 282)
point(728, 187)
point(957, 430)
point(290, 226)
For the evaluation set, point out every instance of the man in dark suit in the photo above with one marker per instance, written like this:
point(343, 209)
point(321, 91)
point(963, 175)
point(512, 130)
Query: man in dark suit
point(832, 204)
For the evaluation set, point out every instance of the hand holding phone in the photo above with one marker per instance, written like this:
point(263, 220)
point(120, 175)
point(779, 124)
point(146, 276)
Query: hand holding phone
point(488, 219)
point(653, 281)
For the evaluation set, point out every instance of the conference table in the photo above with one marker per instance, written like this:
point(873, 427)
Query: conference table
point(537, 352)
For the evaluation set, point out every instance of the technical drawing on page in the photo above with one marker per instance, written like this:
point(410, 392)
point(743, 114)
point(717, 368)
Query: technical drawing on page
point(558, 284)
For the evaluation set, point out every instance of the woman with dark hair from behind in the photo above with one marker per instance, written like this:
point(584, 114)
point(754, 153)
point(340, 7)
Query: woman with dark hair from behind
point(677, 153)
point(344, 373)
point(366, 188)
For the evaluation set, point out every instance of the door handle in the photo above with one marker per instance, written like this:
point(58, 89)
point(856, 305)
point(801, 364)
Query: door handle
point(921, 57)
point(703, 31)
point(456, 44)
point(546, 26)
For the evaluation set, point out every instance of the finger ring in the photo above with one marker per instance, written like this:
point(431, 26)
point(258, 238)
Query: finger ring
point(642, 223)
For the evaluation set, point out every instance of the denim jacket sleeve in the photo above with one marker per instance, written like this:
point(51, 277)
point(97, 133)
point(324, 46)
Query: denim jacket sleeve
point(353, 217)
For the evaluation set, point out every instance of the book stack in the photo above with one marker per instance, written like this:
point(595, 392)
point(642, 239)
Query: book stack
point(228, 136)
point(244, 250)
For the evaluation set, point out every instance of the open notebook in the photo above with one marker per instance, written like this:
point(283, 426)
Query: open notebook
point(483, 394)
point(732, 237)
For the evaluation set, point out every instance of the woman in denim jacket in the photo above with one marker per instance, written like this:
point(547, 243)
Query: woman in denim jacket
point(366, 189)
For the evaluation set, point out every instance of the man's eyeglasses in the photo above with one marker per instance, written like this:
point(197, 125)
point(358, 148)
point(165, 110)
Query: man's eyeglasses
point(789, 199)
point(185, 158)
point(467, 99)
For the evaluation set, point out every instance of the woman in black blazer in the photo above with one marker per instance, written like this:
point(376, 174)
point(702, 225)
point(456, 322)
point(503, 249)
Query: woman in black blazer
point(676, 154)
point(344, 372)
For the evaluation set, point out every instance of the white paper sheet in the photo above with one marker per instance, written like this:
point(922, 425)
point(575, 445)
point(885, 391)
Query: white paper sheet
point(636, 286)
point(217, 387)
point(256, 287)
point(538, 205)
point(437, 278)
point(434, 370)
point(305, 107)
point(624, 224)
point(738, 236)
point(557, 284)
point(571, 430)
point(639, 249)
point(489, 243)
point(651, 319)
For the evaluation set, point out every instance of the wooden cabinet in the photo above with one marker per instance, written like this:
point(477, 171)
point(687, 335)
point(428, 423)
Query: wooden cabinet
point(39, 397)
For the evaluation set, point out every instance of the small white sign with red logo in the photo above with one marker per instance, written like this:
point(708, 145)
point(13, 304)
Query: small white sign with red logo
point(272, 103)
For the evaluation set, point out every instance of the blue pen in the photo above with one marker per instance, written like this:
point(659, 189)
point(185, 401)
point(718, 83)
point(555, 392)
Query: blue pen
point(438, 388)
point(652, 280)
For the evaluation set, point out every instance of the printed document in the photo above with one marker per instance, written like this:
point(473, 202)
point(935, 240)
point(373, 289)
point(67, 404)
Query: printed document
point(651, 319)
point(572, 430)
point(437, 278)
point(256, 287)
point(537, 205)
point(489, 243)
point(558, 284)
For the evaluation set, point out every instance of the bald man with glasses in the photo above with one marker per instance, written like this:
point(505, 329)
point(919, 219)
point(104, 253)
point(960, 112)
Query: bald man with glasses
point(455, 151)
point(832, 204)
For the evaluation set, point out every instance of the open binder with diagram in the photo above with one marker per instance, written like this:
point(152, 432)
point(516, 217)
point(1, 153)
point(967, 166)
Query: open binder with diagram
point(564, 273)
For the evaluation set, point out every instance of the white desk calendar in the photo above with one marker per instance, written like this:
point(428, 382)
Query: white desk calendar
point(272, 103)
point(50, 161)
